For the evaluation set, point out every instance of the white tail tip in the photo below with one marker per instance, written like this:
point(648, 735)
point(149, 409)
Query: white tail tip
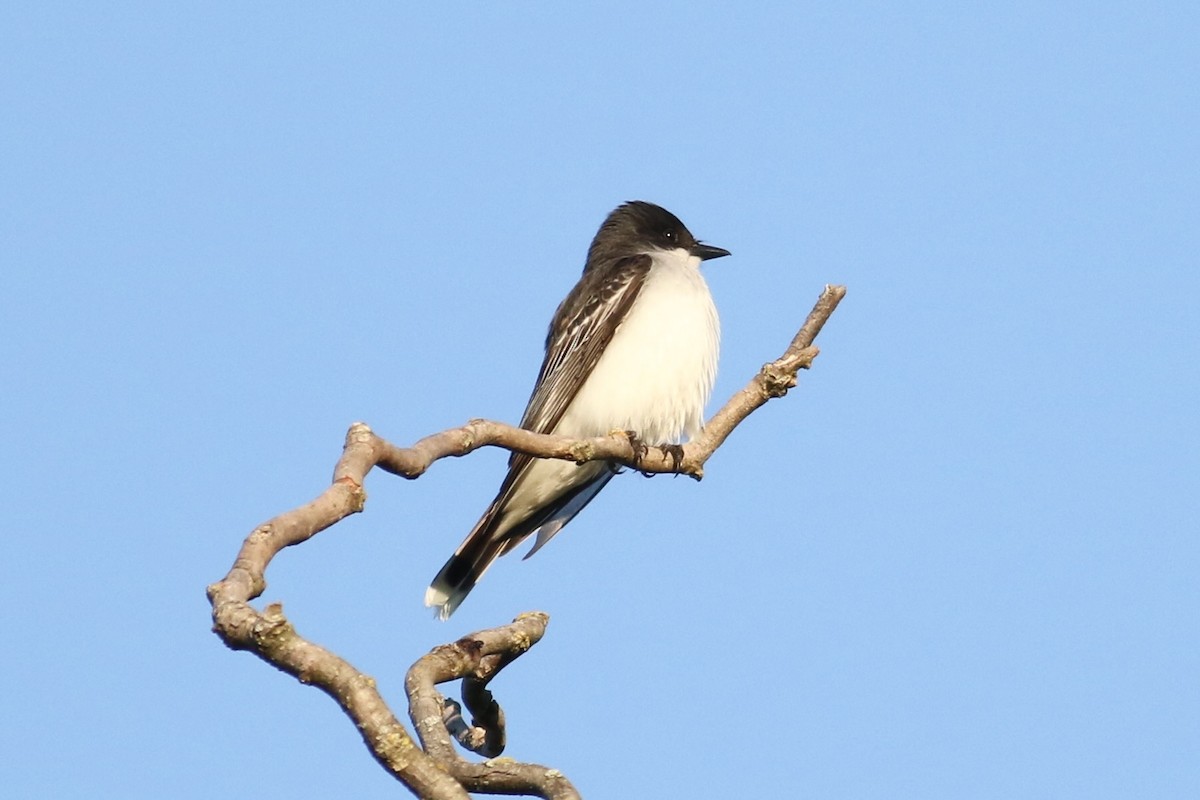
point(440, 602)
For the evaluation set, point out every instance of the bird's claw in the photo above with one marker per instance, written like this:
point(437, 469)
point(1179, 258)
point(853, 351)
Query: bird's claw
point(675, 451)
point(639, 448)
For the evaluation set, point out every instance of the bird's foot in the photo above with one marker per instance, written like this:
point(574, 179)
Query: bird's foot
point(639, 449)
point(675, 451)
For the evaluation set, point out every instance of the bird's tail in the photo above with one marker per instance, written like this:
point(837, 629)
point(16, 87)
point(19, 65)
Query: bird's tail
point(464, 569)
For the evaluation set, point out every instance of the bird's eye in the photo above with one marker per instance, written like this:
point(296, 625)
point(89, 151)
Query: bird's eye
point(669, 235)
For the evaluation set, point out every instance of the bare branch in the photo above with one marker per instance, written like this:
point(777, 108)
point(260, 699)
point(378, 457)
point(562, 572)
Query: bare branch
point(437, 771)
point(773, 380)
point(477, 658)
point(486, 734)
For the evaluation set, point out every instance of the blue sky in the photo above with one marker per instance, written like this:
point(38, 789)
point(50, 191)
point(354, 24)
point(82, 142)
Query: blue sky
point(959, 561)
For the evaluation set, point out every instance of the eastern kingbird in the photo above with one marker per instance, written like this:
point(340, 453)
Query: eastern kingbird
point(634, 348)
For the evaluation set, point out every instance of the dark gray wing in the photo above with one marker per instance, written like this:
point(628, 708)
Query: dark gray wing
point(583, 326)
point(581, 330)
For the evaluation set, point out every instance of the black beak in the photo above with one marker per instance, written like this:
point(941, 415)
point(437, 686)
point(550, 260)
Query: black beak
point(706, 251)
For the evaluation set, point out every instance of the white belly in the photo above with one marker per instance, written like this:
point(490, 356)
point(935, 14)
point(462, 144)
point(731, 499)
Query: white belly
point(656, 374)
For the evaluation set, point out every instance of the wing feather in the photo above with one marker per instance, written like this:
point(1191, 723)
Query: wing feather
point(571, 355)
point(577, 338)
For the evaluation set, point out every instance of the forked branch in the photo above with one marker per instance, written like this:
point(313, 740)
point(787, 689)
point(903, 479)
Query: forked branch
point(435, 770)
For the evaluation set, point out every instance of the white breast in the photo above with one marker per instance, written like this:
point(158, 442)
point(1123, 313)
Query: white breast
point(656, 374)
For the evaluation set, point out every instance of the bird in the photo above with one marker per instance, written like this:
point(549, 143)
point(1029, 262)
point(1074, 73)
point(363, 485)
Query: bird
point(633, 347)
